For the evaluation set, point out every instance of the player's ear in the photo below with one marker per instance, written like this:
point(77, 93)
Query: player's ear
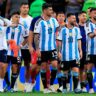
point(79, 16)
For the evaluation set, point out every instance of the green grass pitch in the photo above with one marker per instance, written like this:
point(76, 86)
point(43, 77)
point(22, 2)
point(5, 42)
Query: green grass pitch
point(41, 94)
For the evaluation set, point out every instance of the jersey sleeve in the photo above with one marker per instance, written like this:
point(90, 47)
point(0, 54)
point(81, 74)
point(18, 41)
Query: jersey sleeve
point(8, 22)
point(37, 28)
point(56, 23)
point(88, 28)
point(79, 34)
point(32, 25)
point(59, 37)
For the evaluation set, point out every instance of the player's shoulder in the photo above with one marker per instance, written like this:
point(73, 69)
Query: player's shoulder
point(38, 20)
point(1, 23)
point(63, 29)
point(87, 23)
point(52, 18)
point(21, 26)
point(60, 28)
point(37, 17)
point(29, 17)
point(8, 22)
point(76, 28)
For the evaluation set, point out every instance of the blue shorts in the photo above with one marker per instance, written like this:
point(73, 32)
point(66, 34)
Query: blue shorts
point(3, 56)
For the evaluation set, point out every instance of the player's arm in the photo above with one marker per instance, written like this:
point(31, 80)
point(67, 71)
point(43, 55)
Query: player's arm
point(36, 41)
point(25, 41)
point(80, 48)
point(37, 38)
point(59, 45)
point(31, 36)
point(58, 41)
point(89, 31)
point(30, 41)
point(25, 36)
point(92, 34)
point(79, 37)
point(57, 25)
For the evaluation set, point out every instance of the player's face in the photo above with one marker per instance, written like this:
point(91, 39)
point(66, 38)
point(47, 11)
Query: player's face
point(72, 20)
point(24, 9)
point(61, 17)
point(49, 11)
point(83, 17)
point(93, 15)
point(16, 18)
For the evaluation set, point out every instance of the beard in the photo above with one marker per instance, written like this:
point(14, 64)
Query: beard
point(94, 18)
point(72, 24)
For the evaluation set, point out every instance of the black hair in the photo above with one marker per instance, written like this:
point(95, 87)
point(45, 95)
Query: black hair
point(70, 14)
point(81, 12)
point(60, 12)
point(15, 13)
point(46, 5)
point(92, 9)
point(24, 3)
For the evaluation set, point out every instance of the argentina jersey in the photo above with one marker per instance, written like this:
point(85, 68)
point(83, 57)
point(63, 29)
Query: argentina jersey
point(69, 38)
point(26, 23)
point(15, 34)
point(47, 31)
point(91, 41)
point(3, 41)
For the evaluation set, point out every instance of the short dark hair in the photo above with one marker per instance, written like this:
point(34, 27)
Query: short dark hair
point(15, 13)
point(46, 5)
point(92, 9)
point(70, 14)
point(24, 3)
point(81, 12)
point(60, 12)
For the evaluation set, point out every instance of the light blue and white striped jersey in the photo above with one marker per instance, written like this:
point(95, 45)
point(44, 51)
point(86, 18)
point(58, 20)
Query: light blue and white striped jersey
point(26, 22)
point(91, 41)
point(47, 31)
point(69, 38)
point(3, 41)
point(16, 34)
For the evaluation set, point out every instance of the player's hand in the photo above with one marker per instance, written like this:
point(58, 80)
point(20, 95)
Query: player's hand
point(81, 54)
point(31, 49)
point(59, 55)
point(38, 52)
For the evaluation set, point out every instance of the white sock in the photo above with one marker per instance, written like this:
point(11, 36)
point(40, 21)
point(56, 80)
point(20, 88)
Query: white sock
point(79, 85)
point(1, 83)
point(26, 85)
point(16, 85)
point(61, 88)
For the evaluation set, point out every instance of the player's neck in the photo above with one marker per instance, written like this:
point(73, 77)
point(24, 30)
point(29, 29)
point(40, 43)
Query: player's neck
point(23, 15)
point(62, 23)
point(81, 23)
point(45, 17)
point(69, 26)
point(93, 21)
point(15, 23)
